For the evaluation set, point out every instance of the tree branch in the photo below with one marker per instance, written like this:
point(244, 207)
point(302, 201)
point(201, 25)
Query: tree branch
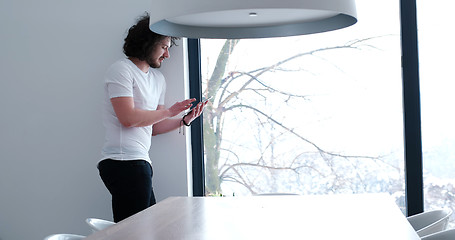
point(320, 150)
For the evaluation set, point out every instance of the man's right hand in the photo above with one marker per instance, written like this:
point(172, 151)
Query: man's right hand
point(179, 107)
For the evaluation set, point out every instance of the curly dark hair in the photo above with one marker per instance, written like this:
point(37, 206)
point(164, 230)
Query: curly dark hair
point(140, 39)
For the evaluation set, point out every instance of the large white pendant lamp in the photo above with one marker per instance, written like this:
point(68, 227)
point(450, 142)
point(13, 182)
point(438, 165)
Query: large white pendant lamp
point(249, 18)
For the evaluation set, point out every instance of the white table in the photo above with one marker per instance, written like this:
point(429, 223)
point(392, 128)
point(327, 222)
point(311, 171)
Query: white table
point(363, 217)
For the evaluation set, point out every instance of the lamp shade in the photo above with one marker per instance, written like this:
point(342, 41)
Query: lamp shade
point(234, 19)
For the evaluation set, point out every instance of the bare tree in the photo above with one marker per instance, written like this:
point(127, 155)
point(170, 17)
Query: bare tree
point(309, 160)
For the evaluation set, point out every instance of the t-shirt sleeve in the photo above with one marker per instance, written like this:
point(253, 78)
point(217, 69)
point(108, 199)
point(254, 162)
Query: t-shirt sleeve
point(119, 81)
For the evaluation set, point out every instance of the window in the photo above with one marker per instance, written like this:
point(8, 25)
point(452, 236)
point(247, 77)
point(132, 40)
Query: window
point(313, 114)
point(438, 132)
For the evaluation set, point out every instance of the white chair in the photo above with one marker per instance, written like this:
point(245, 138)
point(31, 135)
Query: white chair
point(97, 224)
point(64, 236)
point(444, 235)
point(430, 222)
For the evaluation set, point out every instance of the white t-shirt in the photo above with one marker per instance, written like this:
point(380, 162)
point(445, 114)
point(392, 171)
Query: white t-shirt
point(125, 79)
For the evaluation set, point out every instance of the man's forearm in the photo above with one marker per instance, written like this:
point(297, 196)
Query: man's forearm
point(166, 125)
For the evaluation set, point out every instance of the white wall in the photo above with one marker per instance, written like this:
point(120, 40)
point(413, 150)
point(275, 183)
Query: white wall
point(169, 151)
point(53, 55)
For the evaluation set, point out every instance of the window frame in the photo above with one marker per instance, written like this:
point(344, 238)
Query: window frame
point(411, 111)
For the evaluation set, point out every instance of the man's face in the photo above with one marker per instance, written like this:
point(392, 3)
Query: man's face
point(159, 52)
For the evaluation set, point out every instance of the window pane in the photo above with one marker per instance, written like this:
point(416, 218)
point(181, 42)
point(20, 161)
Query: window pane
point(436, 50)
point(314, 114)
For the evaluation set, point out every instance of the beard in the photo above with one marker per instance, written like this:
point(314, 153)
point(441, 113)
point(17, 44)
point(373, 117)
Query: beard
point(154, 63)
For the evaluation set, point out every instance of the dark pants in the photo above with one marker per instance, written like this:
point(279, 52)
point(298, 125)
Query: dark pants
point(130, 184)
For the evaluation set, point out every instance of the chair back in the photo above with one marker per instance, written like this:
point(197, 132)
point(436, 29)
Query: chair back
point(444, 235)
point(97, 224)
point(430, 222)
point(64, 236)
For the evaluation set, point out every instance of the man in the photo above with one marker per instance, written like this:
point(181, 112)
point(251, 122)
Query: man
point(134, 111)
